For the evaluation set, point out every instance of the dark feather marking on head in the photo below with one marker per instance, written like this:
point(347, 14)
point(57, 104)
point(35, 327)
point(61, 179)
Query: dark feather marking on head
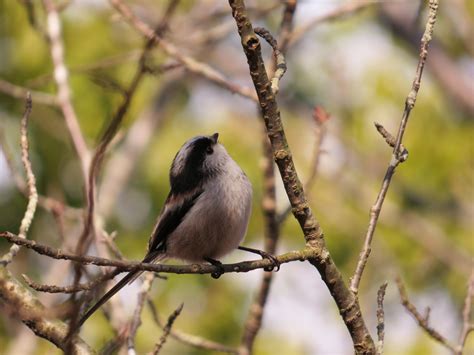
point(191, 174)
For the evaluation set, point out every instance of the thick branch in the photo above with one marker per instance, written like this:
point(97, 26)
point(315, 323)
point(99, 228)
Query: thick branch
point(18, 301)
point(313, 233)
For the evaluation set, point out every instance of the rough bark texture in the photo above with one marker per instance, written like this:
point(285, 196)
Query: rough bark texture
point(346, 301)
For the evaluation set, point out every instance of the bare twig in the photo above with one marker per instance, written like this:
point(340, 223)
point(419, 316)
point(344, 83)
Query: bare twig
point(190, 339)
point(136, 319)
point(73, 288)
point(380, 318)
point(422, 321)
point(18, 301)
point(167, 329)
point(124, 266)
point(467, 324)
point(345, 300)
point(21, 93)
point(188, 62)
point(390, 140)
point(320, 117)
point(348, 8)
point(31, 183)
point(279, 58)
point(397, 155)
point(64, 90)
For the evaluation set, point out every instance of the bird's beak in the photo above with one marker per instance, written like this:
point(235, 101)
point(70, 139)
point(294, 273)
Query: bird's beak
point(214, 137)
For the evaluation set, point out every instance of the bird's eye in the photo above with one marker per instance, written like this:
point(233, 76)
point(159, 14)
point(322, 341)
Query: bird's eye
point(209, 150)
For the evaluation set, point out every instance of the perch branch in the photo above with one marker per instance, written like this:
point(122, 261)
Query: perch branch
point(124, 266)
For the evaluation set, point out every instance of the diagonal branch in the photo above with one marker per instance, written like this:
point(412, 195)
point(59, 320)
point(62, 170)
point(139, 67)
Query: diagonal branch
point(398, 156)
point(420, 319)
point(345, 300)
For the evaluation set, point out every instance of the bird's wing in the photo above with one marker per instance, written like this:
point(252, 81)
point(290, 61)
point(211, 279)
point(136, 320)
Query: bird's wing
point(173, 213)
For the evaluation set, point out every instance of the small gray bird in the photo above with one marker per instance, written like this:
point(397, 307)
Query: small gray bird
point(205, 215)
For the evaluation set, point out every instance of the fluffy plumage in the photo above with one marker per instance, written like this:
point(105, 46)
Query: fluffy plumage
point(206, 213)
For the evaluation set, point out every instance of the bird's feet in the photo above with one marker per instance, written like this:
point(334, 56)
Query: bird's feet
point(218, 264)
point(264, 255)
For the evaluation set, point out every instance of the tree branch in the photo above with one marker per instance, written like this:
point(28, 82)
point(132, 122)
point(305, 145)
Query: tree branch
point(345, 300)
point(398, 156)
point(31, 183)
point(244, 266)
point(19, 301)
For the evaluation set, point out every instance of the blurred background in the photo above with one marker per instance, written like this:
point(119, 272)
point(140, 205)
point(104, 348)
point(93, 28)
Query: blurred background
point(359, 67)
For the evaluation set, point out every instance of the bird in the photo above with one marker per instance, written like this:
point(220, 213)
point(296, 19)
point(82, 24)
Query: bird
point(205, 215)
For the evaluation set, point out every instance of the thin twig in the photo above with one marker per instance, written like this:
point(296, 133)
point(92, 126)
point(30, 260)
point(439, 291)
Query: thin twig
point(348, 8)
point(21, 93)
point(244, 266)
point(167, 329)
point(64, 90)
point(397, 156)
point(468, 324)
point(320, 117)
point(279, 58)
point(136, 319)
point(422, 321)
point(188, 62)
point(31, 183)
point(73, 288)
point(190, 339)
point(380, 318)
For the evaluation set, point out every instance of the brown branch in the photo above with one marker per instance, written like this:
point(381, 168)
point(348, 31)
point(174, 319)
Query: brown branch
point(398, 156)
point(167, 329)
point(253, 322)
point(244, 266)
point(320, 117)
point(31, 183)
point(188, 62)
point(189, 339)
point(73, 288)
point(421, 320)
point(62, 82)
point(345, 300)
point(22, 304)
point(136, 319)
point(380, 318)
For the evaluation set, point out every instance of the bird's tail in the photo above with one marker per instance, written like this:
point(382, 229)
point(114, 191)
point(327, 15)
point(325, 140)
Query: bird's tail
point(129, 278)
